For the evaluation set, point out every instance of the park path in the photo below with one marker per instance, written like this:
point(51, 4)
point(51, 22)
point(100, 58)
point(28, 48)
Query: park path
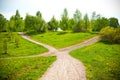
point(65, 67)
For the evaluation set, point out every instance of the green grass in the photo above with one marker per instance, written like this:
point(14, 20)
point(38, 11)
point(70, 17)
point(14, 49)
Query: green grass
point(24, 69)
point(102, 61)
point(25, 48)
point(62, 39)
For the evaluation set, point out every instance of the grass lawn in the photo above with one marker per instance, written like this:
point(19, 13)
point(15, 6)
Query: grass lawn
point(102, 60)
point(24, 69)
point(25, 47)
point(62, 39)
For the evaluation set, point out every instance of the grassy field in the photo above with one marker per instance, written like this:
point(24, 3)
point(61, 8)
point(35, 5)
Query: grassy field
point(62, 39)
point(24, 69)
point(102, 61)
point(25, 47)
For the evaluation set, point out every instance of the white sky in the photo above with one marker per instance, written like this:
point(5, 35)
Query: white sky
point(48, 8)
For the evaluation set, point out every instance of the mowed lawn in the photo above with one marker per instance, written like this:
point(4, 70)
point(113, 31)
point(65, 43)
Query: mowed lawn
point(24, 69)
point(102, 60)
point(62, 39)
point(25, 48)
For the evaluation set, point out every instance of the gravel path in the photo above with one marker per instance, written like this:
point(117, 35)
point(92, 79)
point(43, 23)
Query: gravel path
point(65, 67)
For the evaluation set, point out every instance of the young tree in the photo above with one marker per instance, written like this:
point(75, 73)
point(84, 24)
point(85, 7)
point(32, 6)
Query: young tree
point(78, 21)
point(113, 22)
point(38, 14)
point(28, 22)
point(86, 22)
point(53, 24)
point(3, 22)
point(16, 41)
point(19, 24)
point(77, 16)
point(16, 22)
point(93, 20)
point(71, 23)
point(35, 23)
point(101, 23)
point(11, 26)
point(5, 49)
point(64, 20)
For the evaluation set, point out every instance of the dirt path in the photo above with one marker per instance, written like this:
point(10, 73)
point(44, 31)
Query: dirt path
point(65, 67)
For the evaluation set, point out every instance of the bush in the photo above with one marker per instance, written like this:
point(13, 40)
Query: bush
point(110, 34)
point(5, 46)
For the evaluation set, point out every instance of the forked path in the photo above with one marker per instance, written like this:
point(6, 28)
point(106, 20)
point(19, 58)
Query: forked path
point(65, 67)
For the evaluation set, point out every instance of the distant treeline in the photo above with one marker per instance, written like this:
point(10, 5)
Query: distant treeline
point(79, 22)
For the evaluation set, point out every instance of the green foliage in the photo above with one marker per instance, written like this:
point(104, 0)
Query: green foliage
point(16, 23)
point(3, 22)
point(71, 24)
point(19, 46)
point(64, 20)
point(86, 22)
point(39, 14)
point(19, 24)
point(24, 68)
point(110, 34)
point(113, 22)
point(62, 39)
point(77, 16)
point(5, 50)
point(100, 23)
point(79, 23)
point(53, 24)
point(101, 61)
point(79, 27)
point(17, 41)
point(35, 23)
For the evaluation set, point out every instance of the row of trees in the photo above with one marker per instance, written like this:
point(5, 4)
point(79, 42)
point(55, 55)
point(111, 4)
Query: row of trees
point(37, 24)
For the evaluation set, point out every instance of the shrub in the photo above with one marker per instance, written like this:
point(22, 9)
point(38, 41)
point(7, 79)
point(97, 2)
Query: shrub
point(110, 34)
point(5, 46)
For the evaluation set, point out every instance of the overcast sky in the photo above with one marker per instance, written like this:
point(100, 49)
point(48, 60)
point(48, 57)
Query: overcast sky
point(48, 8)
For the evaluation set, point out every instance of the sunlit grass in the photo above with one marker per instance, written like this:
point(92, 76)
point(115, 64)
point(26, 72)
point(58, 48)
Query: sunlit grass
point(62, 39)
point(24, 69)
point(101, 61)
point(25, 48)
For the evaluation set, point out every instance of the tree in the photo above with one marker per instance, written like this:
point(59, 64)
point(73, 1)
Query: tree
point(64, 20)
point(28, 22)
point(71, 23)
point(79, 26)
point(35, 23)
point(93, 20)
point(53, 24)
point(86, 22)
point(113, 22)
point(16, 22)
point(79, 23)
point(16, 41)
point(77, 16)
point(39, 24)
point(38, 14)
point(3, 22)
point(5, 49)
point(100, 23)
point(19, 24)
